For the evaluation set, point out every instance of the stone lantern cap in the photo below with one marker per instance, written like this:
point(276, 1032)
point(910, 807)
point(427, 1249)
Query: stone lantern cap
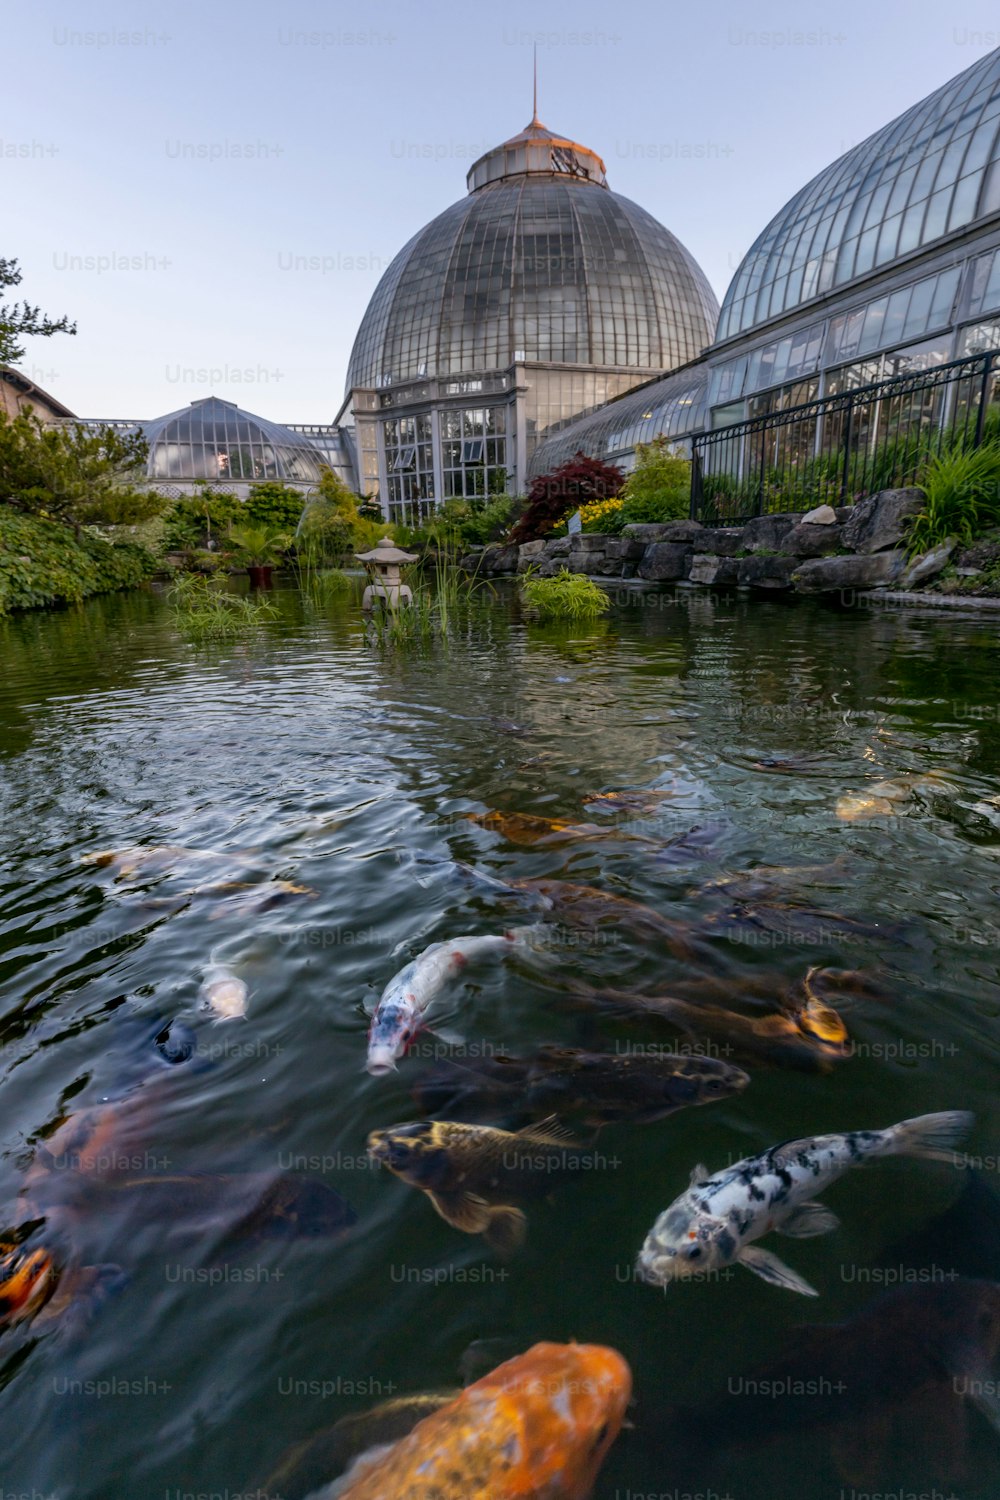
point(386, 554)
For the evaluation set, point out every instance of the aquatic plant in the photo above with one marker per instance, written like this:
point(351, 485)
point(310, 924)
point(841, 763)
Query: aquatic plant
point(201, 608)
point(962, 489)
point(566, 596)
point(325, 583)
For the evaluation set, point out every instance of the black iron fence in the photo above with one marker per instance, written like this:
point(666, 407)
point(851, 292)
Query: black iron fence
point(837, 449)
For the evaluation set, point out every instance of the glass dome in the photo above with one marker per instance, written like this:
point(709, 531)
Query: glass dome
point(540, 263)
point(934, 169)
point(215, 440)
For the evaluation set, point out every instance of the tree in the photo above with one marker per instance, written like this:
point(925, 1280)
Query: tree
point(554, 496)
point(659, 487)
point(73, 474)
point(17, 319)
point(329, 525)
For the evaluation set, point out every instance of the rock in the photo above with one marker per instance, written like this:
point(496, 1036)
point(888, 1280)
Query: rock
point(808, 539)
point(980, 556)
point(529, 553)
point(558, 546)
point(927, 564)
point(822, 574)
point(823, 515)
point(724, 541)
point(666, 562)
point(587, 562)
point(765, 572)
point(878, 522)
point(626, 547)
point(710, 568)
point(664, 531)
point(500, 559)
point(592, 542)
point(767, 532)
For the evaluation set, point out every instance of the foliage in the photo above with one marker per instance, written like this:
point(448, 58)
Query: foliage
point(963, 496)
point(195, 520)
point(567, 596)
point(42, 563)
point(659, 487)
point(441, 597)
point(202, 608)
point(71, 474)
point(468, 523)
point(604, 516)
point(554, 496)
point(331, 527)
point(17, 319)
point(259, 546)
point(274, 504)
point(329, 583)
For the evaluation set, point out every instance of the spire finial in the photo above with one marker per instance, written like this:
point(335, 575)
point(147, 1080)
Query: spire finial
point(534, 112)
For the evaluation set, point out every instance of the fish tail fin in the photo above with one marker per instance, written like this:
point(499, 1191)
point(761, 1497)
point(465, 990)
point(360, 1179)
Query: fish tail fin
point(933, 1137)
point(506, 1230)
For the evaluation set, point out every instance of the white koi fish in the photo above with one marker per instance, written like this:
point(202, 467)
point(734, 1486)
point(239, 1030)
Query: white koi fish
point(713, 1223)
point(224, 995)
point(407, 997)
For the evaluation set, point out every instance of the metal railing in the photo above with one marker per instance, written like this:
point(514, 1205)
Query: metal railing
point(837, 449)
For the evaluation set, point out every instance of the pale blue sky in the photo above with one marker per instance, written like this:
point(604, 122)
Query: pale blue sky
point(242, 272)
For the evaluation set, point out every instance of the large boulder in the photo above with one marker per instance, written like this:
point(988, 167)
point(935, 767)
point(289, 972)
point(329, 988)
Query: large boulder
point(558, 546)
point(666, 562)
point(724, 541)
point(879, 522)
point(500, 559)
point(765, 571)
point(664, 531)
point(590, 542)
point(767, 533)
point(709, 568)
point(927, 564)
point(626, 548)
point(529, 553)
point(832, 574)
point(813, 539)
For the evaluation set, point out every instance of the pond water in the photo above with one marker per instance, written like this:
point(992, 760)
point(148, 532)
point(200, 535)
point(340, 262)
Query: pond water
point(200, 1355)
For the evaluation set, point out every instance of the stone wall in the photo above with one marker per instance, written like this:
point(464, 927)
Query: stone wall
point(851, 547)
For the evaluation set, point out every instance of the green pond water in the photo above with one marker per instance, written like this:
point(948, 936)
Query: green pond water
point(308, 756)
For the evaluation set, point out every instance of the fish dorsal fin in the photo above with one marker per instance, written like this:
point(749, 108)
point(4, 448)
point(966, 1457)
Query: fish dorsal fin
point(699, 1174)
point(768, 1267)
point(548, 1132)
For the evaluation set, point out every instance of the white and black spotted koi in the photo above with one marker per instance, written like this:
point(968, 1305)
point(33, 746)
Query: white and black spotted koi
point(713, 1223)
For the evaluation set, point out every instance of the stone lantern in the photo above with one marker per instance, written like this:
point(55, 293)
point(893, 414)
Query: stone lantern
point(386, 558)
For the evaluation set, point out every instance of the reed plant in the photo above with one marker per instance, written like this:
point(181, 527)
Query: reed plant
point(203, 609)
point(962, 489)
point(565, 596)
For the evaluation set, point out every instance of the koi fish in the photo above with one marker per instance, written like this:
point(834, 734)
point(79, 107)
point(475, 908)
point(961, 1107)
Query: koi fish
point(714, 1223)
point(537, 1428)
point(472, 1172)
point(409, 994)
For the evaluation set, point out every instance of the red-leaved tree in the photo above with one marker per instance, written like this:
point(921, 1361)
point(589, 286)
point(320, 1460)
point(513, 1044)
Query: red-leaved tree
point(554, 496)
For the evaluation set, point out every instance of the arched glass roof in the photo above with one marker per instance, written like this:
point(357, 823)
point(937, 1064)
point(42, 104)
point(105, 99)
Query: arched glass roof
point(540, 263)
point(932, 170)
point(216, 440)
point(671, 407)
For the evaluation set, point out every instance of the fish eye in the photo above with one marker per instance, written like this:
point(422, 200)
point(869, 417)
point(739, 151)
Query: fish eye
point(694, 1252)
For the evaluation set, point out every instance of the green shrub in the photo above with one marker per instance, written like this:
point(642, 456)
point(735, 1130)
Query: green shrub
point(274, 505)
point(659, 487)
point(195, 520)
point(258, 546)
point(42, 563)
point(963, 496)
point(567, 596)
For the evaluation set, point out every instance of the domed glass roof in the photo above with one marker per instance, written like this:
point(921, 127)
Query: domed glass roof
point(932, 170)
point(541, 262)
point(215, 440)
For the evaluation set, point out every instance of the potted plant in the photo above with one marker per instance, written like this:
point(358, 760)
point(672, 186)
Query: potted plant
point(259, 549)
